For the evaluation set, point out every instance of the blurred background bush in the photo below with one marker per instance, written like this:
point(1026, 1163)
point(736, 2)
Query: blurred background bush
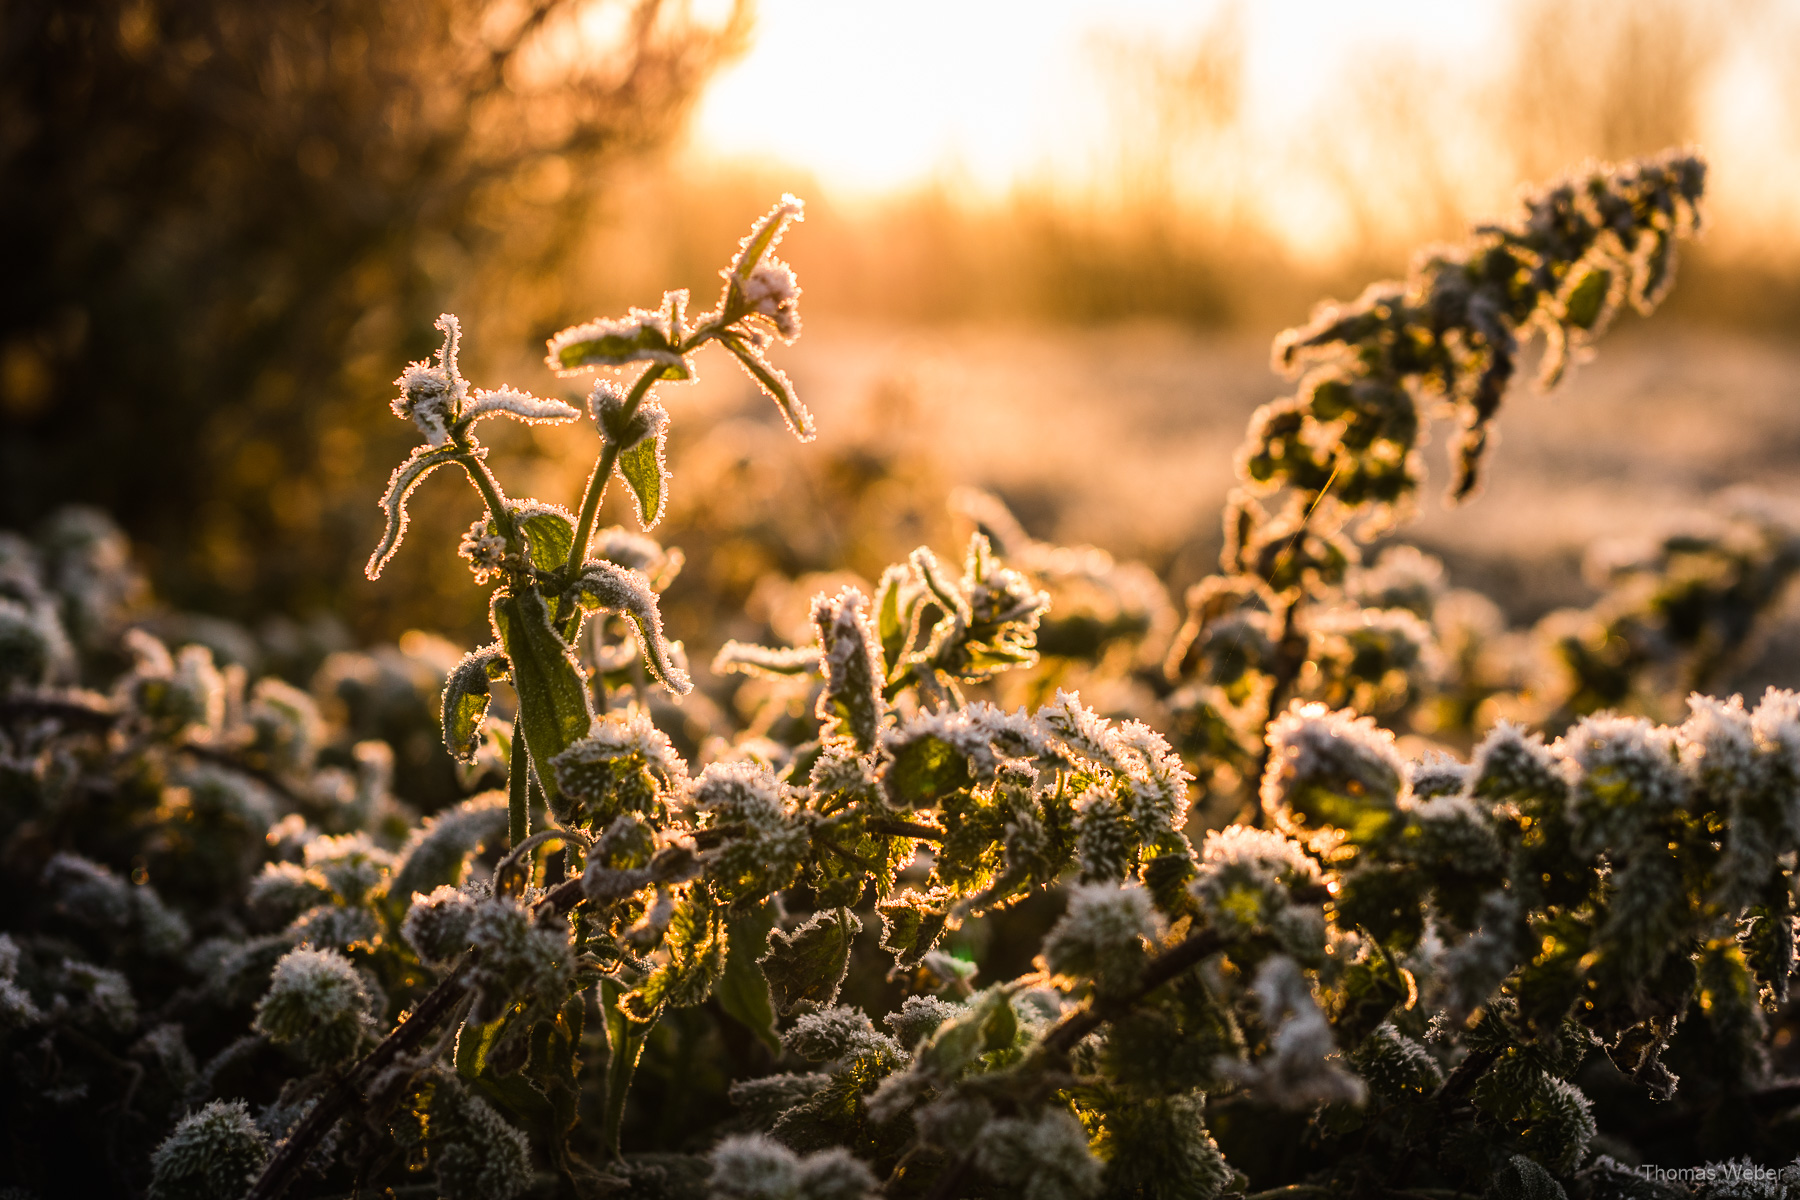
point(230, 224)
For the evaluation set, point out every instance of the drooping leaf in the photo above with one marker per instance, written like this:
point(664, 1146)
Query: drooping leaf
point(405, 478)
point(466, 699)
point(805, 967)
point(911, 924)
point(645, 470)
point(778, 386)
point(553, 698)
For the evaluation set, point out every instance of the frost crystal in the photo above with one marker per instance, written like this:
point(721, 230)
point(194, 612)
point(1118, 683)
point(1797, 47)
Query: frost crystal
point(769, 838)
point(625, 764)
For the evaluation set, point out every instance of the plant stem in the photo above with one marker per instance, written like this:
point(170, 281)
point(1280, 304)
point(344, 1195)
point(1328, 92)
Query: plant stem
point(603, 469)
point(1068, 1032)
point(489, 487)
point(518, 790)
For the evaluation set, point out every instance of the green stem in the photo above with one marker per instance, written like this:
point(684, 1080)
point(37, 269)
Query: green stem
point(489, 487)
point(518, 794)
point(603, 469)
point(625, 1038)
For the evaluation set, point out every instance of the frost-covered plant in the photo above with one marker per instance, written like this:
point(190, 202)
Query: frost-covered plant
point(1425, 976)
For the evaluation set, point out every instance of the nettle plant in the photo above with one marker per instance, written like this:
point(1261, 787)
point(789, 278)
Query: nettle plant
point(1424, 977)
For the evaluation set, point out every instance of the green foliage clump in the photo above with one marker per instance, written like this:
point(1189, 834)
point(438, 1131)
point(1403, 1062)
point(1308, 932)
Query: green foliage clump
point(1461, 971)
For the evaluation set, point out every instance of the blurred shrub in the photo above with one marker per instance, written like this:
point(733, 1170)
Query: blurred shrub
point(226, 221)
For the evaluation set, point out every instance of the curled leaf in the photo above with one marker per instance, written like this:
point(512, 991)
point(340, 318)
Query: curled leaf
point(521, 406)
point(466, 698)
point(604, 585)
point(746, 658)
point(779, 387)
point(406, 477)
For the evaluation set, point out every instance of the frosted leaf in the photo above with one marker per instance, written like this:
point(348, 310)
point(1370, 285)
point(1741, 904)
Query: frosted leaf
point(624, 764)
point(1246, 876)
point(1330, 769)
point(1776, 724)
point(1300, 1069)
point(765, 661)
point(106, 993)
point(1103, 934)
point(475, 1153)
point(431, 395)
point(406, 477)
point(636, 552)
point(775, 383)
point(1155, 782)
point(520, 956)
point(642, 462)
point(1437, 775)
point(354, 866)
point(771, 837)
point(765, 235)
point(285, 890)
point(318, 1003)
point(604, 585)
point(1081, 729)
point(1045, 1157)
point(214, 1152)
point(840, 1034)
point(438, 851)
point(639, 336)
point(1106, 845)
point(1454, 833)
point(87, 893)
point(1474, 967)
point(1627, 776)
point(287, 725)
point(754, 1167)
point(1513, 765)
point(521, 406)
point(851, 703)
point(437, 926)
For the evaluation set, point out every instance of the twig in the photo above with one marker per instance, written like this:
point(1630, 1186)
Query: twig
point(1069, 1031)
point(347, 1092)
point(894, 828)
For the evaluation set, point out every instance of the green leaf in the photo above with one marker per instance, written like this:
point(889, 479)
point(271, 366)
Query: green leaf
point(776, 384)
point(911, 925)
point(922, 770)
point(616, 343)
point(697, 942)
point(473, 1044)
point(1587, 299)
point(405, 478)
point(892, 624)
point(744, 990)
point(551, 535)
point(553, 697)
point(1522, 1179)
point(646, 473)
point(466, 698)
point(805, 967)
